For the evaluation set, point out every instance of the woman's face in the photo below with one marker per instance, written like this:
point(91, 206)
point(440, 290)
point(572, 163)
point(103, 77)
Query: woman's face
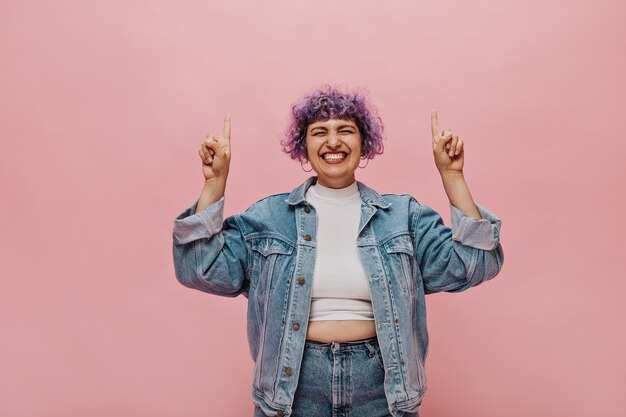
point(334, 149)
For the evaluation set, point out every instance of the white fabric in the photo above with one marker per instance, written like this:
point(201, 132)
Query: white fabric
point(340, 287)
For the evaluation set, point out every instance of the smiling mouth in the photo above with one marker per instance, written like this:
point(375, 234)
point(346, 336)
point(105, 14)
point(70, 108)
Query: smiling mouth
point(334, 156)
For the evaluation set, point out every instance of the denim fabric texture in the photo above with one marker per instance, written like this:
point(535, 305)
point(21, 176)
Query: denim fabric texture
point(267, 254)
point(341, 379)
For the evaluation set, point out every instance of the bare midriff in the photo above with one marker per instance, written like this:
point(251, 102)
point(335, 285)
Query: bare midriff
point(326, 331)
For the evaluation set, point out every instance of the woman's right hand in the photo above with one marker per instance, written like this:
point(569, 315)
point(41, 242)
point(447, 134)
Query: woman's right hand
point(215, 154)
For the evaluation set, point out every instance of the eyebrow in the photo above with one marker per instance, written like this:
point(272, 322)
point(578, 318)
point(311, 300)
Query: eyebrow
point(338, 127)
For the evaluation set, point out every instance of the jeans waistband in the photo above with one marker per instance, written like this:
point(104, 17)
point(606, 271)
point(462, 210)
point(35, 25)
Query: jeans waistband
point(363, 344)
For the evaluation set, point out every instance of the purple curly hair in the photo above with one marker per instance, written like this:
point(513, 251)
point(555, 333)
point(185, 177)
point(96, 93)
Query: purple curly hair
point(330, 103)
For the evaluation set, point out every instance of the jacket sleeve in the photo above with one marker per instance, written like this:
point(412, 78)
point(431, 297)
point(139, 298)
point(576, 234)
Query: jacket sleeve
point(455, 259)
point(210, 253)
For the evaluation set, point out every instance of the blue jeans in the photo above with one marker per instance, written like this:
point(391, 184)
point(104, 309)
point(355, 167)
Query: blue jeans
point(341, 379)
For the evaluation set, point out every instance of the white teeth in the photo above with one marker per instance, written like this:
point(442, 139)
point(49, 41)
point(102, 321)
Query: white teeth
point(334, 156)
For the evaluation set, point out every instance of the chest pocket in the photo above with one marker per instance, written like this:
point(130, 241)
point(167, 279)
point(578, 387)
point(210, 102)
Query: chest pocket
point(400, 255)
point(270, 269)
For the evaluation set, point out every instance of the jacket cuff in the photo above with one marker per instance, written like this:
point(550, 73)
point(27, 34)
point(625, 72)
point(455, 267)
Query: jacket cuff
point(478, 233)
point(189, 226)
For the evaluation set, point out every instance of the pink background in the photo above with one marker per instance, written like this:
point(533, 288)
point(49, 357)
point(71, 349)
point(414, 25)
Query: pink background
point(104, 105)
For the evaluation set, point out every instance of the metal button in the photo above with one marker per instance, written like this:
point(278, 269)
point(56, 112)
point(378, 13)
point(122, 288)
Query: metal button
point(307, 237)
point(397, 321)
point(296, 326)
point(307, 210)
point(280, 413)
point(288, 371)
point(301, 280)
point(402, 362)
point(336, 345)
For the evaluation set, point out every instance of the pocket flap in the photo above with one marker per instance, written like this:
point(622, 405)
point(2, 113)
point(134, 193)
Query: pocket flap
point(267, 246)
point(399, 244)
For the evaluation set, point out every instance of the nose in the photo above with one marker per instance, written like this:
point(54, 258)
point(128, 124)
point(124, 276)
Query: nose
point(333, 141)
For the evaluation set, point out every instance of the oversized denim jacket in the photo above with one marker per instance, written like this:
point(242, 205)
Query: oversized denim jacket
point(267, 253)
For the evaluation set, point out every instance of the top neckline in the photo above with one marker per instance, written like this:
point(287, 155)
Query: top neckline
point(334, 194)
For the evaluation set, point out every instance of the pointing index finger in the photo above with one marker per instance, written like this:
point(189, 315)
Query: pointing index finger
point(434, 123)
point(226, 133)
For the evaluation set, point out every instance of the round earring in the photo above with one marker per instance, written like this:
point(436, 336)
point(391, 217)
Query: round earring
point(368, 161)
point(302, 165)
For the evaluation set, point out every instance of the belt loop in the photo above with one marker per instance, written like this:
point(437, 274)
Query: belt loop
point(371, 348)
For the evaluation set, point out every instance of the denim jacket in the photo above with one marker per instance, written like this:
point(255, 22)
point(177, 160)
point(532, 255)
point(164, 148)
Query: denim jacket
point(267, 254)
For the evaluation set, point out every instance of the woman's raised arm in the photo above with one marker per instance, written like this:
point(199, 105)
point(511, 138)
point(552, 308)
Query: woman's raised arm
point(215, 155)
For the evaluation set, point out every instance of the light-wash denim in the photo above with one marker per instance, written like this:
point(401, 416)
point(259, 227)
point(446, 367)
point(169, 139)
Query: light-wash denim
point(267, 254)
point(341, 379)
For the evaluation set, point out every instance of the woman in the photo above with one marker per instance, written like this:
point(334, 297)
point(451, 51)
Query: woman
point(335, 273)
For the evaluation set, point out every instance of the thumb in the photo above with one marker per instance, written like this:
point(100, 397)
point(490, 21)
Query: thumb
point(441, 143)
point(216, 147)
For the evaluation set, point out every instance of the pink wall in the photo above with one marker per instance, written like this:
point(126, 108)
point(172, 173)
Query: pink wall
point(104, 106)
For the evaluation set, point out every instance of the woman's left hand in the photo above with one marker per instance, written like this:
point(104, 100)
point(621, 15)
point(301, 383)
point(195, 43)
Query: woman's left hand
point(447, 148)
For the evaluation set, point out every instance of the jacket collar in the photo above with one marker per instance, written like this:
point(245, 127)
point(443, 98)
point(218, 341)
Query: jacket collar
point(368, 195)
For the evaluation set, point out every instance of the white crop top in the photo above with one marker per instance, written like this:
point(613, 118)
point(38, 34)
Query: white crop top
point(340, 287)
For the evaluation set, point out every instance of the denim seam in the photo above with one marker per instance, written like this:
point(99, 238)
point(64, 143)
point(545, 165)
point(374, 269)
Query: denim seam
point(271, 235)
point(390, 236)
point(392, 310)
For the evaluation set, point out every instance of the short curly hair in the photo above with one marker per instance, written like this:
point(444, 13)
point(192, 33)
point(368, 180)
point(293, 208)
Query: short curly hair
point(331, 103)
